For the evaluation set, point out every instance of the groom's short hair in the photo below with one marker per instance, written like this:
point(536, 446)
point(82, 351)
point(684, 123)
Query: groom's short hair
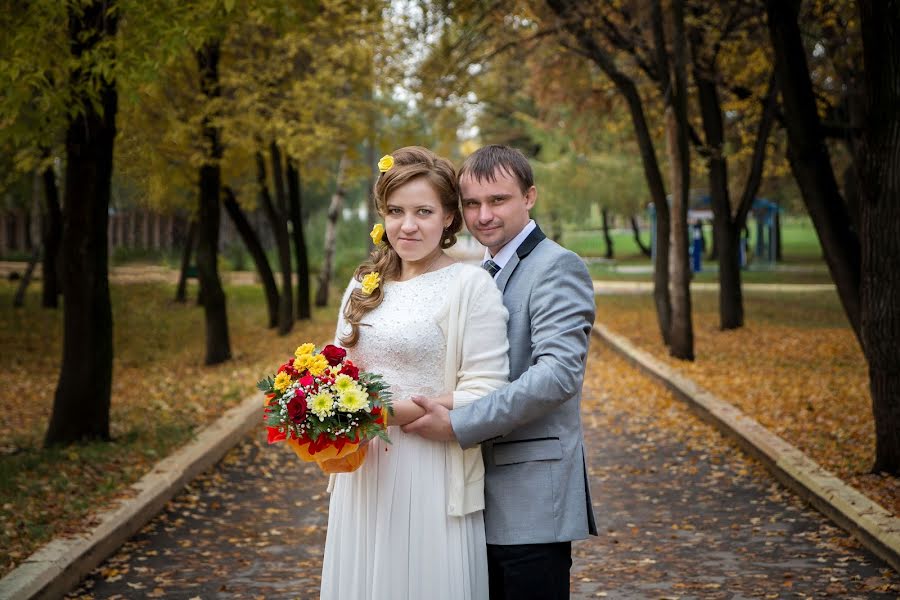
point(484, 162)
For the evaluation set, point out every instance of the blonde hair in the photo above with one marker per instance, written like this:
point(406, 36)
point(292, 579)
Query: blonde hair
point(411, 162)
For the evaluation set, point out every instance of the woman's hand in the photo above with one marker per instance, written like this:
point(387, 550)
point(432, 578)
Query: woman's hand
point(406, 411)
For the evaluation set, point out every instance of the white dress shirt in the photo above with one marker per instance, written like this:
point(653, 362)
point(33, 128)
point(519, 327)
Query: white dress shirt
point(507, 251)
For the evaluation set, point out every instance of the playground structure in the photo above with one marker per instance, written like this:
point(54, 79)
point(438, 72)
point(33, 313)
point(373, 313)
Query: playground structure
point(765, 248)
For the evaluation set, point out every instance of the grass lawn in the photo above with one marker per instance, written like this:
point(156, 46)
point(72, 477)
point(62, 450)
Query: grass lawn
point(162, 394)
point(802, 262)
point(796, 367)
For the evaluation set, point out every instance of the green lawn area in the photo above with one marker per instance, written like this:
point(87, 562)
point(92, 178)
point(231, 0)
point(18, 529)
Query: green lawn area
point(802, 255)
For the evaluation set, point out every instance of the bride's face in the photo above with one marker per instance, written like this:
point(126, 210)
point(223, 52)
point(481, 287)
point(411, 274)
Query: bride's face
point(414, 220)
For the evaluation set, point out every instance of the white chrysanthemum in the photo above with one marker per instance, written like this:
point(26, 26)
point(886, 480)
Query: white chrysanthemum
point(353, 399)
point(322, 405)
point(342, 383)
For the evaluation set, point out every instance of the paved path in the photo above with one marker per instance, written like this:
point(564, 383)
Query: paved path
point(682, 515)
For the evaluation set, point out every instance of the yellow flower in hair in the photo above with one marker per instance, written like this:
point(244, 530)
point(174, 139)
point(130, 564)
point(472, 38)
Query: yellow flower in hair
point(377, 233)
point(370, 282)
point(386, 162)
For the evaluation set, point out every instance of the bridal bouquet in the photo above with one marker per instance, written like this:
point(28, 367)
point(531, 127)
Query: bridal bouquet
point(325, 408)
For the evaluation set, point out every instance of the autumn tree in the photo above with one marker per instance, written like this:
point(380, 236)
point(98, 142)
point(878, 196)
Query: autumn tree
point(33, 114)
point(300, 95)
point(218, 345)
point(597, 37)
point(82, 399)
point(729, 64)
point(864, 259)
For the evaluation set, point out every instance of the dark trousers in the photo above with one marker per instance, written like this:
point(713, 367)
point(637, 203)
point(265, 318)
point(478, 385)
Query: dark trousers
point(526, 571)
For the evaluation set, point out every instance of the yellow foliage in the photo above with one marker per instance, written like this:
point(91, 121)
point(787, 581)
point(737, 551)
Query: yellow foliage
point(790, 367)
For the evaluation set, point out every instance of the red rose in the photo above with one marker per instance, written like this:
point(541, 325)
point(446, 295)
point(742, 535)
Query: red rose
point(307, 380)
point(348, 368)
point(334, 354)
point(288, 368)
point(296, 407)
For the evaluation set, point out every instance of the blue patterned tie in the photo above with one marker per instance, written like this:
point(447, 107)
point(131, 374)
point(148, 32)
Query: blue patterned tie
point(491, 267)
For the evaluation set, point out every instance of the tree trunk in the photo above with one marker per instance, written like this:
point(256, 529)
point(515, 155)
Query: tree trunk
point(682, 337)
point(278, 223)
point(295, 199)
point(606, 237)
point(52, 239)
point(218, 346)
point(809, 158)
point(251, 241)
point(727, 238)
point(286, 300)
point(880, 225)
point(713, 253)
point(25, 281)
point(82, 399)
point(334, 212)
point(146, 238)
point(186, 253)
point(19, 297)
point(645, 250)
point(776, 231)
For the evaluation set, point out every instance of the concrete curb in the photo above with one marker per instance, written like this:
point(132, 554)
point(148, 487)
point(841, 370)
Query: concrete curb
point(57, 567)
point(867, 521)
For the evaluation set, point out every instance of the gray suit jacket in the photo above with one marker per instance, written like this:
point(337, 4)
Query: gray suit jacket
point(536, 484)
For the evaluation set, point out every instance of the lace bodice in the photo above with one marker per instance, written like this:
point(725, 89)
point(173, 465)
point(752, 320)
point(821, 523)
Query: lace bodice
point(401, 338)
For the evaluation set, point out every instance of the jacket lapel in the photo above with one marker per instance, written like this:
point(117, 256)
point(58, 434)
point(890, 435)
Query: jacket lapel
point(528, 244)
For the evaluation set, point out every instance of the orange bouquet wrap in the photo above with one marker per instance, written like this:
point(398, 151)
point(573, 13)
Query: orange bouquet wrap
point(347, 459)
point(325, 409)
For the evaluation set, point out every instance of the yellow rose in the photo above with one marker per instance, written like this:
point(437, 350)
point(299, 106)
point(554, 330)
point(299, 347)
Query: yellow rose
point(377, 233)
point(386, 162)
point(370, 282)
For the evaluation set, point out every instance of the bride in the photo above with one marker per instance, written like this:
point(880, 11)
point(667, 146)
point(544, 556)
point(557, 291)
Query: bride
point(408, 523)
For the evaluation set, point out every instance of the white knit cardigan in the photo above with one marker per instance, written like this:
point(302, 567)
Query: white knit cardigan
point(474, 325)
point(473, 321)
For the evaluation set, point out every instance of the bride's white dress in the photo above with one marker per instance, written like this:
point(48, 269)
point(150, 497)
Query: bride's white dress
point(389, 534)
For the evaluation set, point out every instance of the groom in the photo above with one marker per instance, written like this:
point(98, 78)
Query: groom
point(537, 498)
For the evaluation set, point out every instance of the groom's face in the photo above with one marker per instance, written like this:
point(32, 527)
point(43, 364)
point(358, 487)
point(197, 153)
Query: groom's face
point(495, 211)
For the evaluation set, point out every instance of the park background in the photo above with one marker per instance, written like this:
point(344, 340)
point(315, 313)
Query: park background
point(151, 149)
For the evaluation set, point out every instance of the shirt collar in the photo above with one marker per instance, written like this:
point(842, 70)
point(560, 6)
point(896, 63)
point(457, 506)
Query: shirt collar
point(507, 251)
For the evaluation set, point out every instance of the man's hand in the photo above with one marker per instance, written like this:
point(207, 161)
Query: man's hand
point(434, 424)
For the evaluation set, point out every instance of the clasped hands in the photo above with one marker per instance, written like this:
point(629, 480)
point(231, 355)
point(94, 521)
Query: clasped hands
point(426, 417)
